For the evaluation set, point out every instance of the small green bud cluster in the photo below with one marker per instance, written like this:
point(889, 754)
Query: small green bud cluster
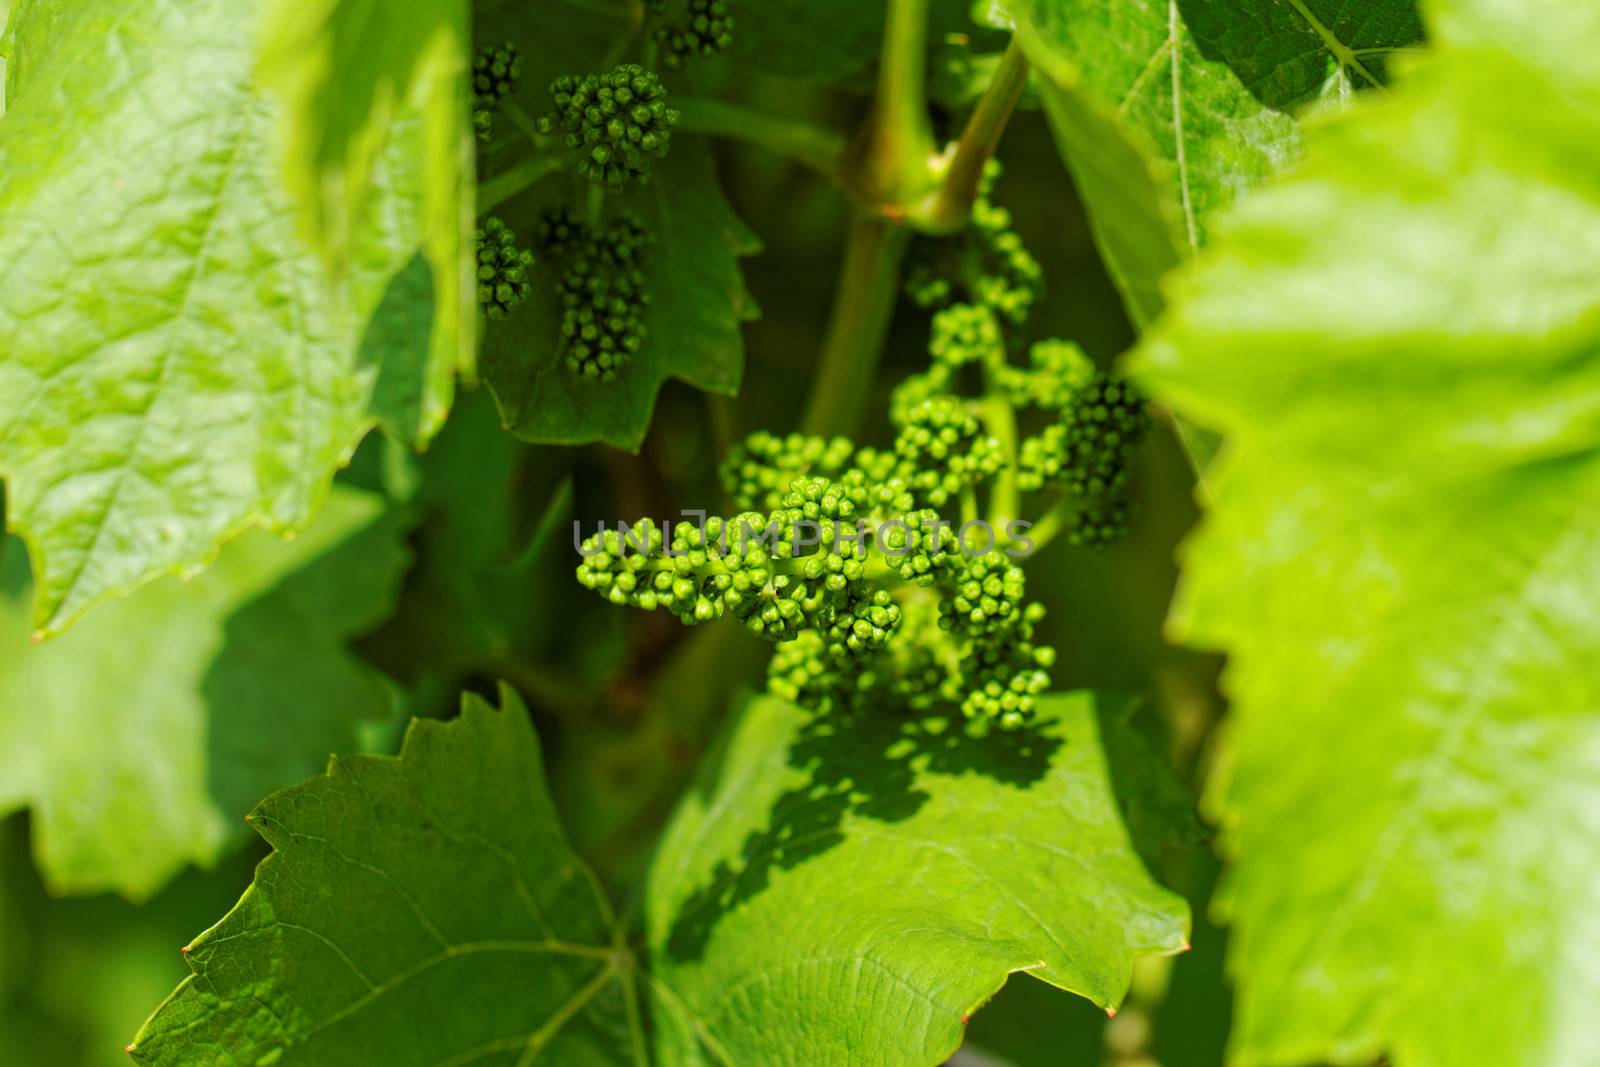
point(603, 299)
point(705, 29)
point(495, 73)
point(559, 232)
point(620, 120)
point(985, 264)
point(944, 449)
point(798, 567)
point(825, 564)
point(962, 334)
point(502, 270)
point(1090, 448)
point(1098, 523)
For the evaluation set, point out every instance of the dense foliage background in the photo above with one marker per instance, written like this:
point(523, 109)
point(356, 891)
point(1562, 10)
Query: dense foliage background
point(1318, 780)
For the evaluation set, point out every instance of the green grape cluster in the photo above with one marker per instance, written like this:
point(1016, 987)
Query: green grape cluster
point(620, 120)
point(495, 73)
point(844, 557)
point(503, 270)
point(559, 232)
point(986, 264)
point(603, 298)
point(705, 28)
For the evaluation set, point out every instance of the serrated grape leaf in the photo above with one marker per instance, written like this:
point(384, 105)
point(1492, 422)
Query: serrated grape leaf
point(174, 366)
point(419, 909)
point(1166, 112)
point(841, 891)
point(1402, 345)
point(142, 736)
point(698, 302)
point(360, 81)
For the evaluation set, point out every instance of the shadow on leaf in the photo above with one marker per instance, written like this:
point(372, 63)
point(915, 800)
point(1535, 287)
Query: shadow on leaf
point(867, 766)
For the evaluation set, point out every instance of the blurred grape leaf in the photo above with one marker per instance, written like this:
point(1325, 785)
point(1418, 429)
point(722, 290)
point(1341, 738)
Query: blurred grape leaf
point(78, 975)
point(1166, 113)
point(1400, 344)
point(698, 302)
point(398, 885)
point(841, 890)
point(5, 51)
point(360, 82)
point(141, 737)
point(174, 366)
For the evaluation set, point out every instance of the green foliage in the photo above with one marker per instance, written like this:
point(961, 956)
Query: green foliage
point(620, 120)
point(697, 304)
point(1355, 253)
point(496, 70)
point(768, 914)
point(183, 324)
point(1165, 113)
point(502, 270)
point(372, 105)
point(703, 28)
point(1404, 369)
point(454, 884)
point(175, 702)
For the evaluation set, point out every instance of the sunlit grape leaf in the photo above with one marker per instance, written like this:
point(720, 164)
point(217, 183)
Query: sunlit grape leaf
point(422, 909)
point(1166, 112)
point(174, 366)
point(843, 891)
point(5, 12)
point(142, 736)
point(1401, 345)
point(698, 302)
point(360, 82)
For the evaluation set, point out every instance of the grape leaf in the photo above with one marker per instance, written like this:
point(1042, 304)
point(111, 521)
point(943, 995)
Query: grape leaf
point(5, 15)
point(140, 737)
point(174, 366)
point(1165, 113)
point(401, 885)
point(841, 891)
point(698, 301)
point(1400, 344)
point(360, 80)
point(78, 975)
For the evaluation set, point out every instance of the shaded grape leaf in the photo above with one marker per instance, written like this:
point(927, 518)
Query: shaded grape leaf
point(1289, 53)
point(78, 975)
point(1400, 344)
point(399, 886)
point(1166, 112)
point(850, 891)
point(174, 366)
point(140, 737)
point(361, 81)
point(698, 301)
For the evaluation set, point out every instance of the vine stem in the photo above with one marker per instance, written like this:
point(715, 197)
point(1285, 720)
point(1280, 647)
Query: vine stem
point(897, 168)
point(869, 281)
point(1052, 522)
point(952, 202)
point(1000, 420)
point(813, 146)
point(524, 175)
